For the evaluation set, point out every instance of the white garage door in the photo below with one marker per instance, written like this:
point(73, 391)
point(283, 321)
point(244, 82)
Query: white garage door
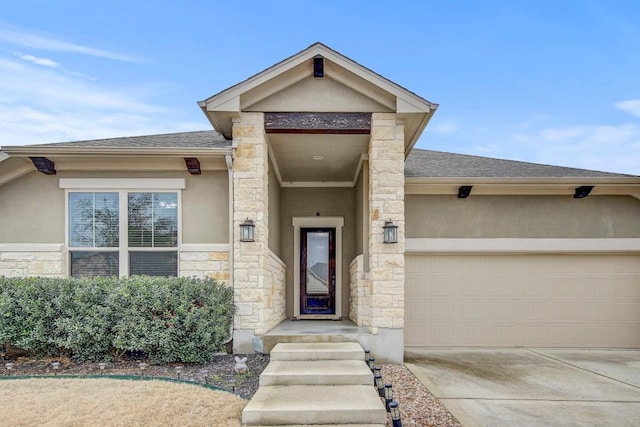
point(523, 300)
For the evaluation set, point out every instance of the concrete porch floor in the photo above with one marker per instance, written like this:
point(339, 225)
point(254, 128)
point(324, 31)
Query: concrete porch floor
point(309, 331)
point(316, 327)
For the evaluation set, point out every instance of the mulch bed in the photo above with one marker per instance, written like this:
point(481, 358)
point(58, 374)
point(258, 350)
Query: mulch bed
point(219, 372)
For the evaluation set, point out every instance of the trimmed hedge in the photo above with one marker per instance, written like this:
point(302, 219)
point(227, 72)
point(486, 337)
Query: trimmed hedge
point(167, 319)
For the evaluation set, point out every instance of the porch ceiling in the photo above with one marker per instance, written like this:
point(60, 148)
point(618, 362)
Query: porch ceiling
point(307, 158)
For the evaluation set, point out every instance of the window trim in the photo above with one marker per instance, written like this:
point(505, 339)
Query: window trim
point(76, 185)
point(116, 184)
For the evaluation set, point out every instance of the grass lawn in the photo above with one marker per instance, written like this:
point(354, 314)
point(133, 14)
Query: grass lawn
point(108, 402)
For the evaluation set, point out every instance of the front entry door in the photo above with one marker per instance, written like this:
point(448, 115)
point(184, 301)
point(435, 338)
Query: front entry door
point(317, 271)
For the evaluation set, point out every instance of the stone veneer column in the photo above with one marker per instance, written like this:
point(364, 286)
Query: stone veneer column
point(386, 261)
point(250, 262)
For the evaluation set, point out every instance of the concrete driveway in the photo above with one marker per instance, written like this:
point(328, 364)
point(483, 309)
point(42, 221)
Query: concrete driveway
point(531, 387)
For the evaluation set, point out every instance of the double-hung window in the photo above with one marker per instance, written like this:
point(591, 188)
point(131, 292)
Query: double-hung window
point(123, 232)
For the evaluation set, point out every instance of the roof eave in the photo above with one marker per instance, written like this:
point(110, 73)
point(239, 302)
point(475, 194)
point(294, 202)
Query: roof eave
point(561, 186)
point(30, 151)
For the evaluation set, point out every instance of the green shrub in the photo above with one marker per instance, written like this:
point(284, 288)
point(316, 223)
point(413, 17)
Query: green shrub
point(166, 319)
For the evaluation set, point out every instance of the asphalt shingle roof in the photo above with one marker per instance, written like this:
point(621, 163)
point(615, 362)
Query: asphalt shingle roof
point(198, 139)
point(437, 164)
point(420, 163)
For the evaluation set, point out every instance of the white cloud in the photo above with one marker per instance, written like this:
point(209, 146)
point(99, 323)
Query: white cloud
point(613, 148)
point(46, 62)
point(43, 104)
point(28, 38)
point(631, 106)
point(448, 126)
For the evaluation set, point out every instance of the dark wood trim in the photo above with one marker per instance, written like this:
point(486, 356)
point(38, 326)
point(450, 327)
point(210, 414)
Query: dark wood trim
point(318, 123)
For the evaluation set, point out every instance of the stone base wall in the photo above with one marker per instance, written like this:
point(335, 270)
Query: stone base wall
point(360, 293)
point(274, 293)
point(32, 260)
point(212, 264)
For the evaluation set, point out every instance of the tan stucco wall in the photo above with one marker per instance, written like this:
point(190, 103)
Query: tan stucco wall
point(313, 94)
point(325, 202)
point(205, 208)
point(443, 216)
point(274, 211)
point(32, 210)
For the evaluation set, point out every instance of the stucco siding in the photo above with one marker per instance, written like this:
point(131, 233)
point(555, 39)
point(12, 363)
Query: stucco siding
point(205, 208)
point(320, 202)
point(312, 94)
point(35, 207)
point(439, 216)
point(32, 210)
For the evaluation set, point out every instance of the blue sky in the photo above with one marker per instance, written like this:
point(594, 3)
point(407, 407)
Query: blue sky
point(554, 82)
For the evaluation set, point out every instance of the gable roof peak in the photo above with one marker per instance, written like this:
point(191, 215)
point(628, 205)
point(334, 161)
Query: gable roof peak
point(388, 96)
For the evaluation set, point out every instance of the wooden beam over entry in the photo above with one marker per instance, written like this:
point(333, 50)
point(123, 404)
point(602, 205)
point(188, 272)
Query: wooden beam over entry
point(318, 123)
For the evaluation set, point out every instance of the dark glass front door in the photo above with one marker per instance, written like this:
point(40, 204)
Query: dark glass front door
point(317, 270)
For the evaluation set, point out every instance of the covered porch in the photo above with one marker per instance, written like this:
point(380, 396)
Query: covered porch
point(319, 144)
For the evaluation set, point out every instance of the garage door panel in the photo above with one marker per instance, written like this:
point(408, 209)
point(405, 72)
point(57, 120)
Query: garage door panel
point(523, 300)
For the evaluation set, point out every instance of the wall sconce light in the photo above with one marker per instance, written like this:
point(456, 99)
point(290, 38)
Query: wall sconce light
point(464, 191)
point(390, 232)
point(44, 165)
point(247, 231)
point(582, 192)
point(193, 165)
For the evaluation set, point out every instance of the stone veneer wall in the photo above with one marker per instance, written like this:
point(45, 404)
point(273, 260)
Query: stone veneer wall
point(205, 264)
point(31, 260)
point(386, 202)
point(274, 292)
point(250, 259)
point(360, 292)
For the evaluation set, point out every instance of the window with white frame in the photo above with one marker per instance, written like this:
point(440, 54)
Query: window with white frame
point(117, 233)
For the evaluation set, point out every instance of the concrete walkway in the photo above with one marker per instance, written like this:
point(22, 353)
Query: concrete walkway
point(527, 387)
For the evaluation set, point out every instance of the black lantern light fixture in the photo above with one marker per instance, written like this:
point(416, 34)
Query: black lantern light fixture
point(390, 232)
point(247, 231)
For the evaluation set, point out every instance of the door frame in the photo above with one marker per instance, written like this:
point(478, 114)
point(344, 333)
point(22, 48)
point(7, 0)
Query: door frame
point(317, 222)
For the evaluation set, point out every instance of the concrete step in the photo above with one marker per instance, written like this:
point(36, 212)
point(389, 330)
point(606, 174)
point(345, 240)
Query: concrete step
point(317, 372)
point(315, 404)
point(318, 351)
